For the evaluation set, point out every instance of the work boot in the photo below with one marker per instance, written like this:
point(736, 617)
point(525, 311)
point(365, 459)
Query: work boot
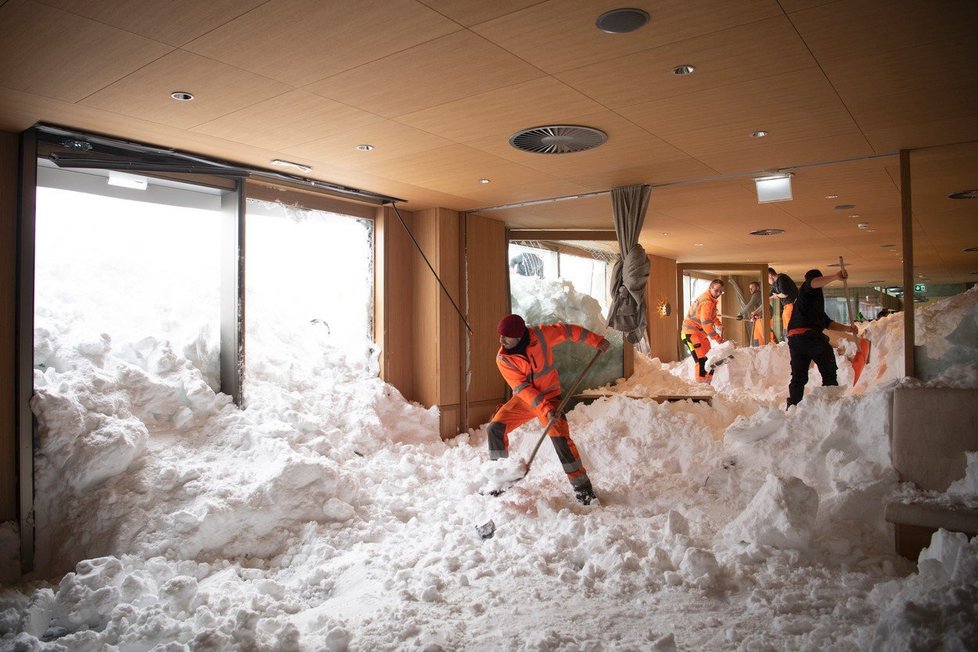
point(585, 493)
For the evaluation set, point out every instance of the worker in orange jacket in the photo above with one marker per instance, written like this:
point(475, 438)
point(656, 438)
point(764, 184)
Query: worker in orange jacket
point(525, 360)
point(701, 325)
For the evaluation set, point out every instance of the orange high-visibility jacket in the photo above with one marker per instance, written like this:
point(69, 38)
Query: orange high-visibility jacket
point(533, 376)
point(702, 316)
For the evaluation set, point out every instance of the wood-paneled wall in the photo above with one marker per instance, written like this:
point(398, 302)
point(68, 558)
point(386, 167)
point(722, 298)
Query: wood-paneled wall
point(394, 298)
point(9, 159)
point(437, 325)
point(661, 289)
point(487, 302)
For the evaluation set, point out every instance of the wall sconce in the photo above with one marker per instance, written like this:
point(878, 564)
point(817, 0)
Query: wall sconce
point(663, 309)
point(774, 188)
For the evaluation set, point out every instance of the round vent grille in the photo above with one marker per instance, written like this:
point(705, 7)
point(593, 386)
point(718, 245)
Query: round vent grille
point(768, 232)
point(557, 139)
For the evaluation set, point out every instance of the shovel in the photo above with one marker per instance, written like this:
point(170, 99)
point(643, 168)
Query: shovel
point(862, 346)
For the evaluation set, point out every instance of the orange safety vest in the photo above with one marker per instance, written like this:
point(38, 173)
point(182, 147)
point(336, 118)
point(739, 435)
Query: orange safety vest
point(702, 316)
point(532, 375)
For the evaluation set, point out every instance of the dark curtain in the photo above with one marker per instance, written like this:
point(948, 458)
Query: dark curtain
point(630, 274)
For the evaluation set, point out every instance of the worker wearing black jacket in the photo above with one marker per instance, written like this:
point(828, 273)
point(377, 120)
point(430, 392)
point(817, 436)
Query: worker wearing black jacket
point(784, 288)
point(806, 341)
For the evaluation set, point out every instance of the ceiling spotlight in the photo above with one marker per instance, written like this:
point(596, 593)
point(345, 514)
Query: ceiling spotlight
point(831, 196)
point(767, 232)
point(622, 21)
point(684, 69)
point(182, 96)
point(697, 244)
point(665, 233)
point(855, 215)
point(365, 148)
point(126, 180)
point(289, 164)
point(862, 225)
point(485, 181)
point(773, 188)
point(759, 134)
point(964, 194)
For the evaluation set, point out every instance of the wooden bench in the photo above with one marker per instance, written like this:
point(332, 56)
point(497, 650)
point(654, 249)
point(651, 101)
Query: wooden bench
point(932, 429)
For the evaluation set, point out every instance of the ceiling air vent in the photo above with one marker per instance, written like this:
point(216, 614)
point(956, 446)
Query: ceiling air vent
point(557, 139)
point(768, 232)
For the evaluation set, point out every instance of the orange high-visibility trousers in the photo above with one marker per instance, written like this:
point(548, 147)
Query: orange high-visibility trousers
point(758, 334)
point(513, 414)
point(698, 346)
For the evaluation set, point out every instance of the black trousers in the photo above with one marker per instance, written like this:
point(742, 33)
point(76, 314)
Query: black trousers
point(806, 348)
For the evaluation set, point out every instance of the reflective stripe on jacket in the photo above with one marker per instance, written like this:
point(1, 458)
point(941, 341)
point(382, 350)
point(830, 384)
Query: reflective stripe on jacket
point(532, 375)
point(702, 316)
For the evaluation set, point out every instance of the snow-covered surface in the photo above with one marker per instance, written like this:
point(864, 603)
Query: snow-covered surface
point(328, 514)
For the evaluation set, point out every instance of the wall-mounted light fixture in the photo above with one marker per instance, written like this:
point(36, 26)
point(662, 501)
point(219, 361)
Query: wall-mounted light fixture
point(776, 187)
point(126, 180)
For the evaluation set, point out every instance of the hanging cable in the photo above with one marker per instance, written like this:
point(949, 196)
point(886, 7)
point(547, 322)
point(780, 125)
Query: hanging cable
point(434, 273)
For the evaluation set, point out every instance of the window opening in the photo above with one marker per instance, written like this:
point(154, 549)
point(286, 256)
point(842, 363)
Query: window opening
point(309, 294)
point(125, 273)
point(549, 285)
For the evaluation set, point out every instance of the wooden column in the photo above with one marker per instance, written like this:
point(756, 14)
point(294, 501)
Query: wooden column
point(909, 334)
point(663, 332)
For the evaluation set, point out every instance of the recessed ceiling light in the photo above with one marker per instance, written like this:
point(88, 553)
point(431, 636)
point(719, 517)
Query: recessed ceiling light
point(831, 196)
point(622, 21)
point(665, 233)
point(182, 96)
point(845, 207)
point(855, 215)
point(485, 181)
point(684, 69)
point(697, 244)
point(964, 194)
point(767, 232)
point(759, 134)
point(365, 147)
point(863, 225)
point(289, 164)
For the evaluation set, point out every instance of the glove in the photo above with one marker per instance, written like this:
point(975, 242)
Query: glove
point(740, 318)
point(553, 411)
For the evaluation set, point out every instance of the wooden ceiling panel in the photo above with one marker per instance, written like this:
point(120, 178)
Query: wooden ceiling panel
point(302, 41)
point(218, 89)
point(795, 106)
point(457, 169)
point(503, 112)
point(286, 120)
point(174, 22)
point(473, 12)
point(733, 56)
point(390, 140)
point(449, 68)
point(561, 35)
point(49, 52)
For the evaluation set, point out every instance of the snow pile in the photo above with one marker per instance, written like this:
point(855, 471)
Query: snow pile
point(329, 515)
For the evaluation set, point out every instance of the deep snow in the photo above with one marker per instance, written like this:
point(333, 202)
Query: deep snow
point(328, 515)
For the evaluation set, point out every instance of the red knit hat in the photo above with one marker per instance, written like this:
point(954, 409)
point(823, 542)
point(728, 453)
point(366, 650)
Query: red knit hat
point(512, 326)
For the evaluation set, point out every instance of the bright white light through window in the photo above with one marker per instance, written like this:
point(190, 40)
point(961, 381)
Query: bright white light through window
point(125, 276)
